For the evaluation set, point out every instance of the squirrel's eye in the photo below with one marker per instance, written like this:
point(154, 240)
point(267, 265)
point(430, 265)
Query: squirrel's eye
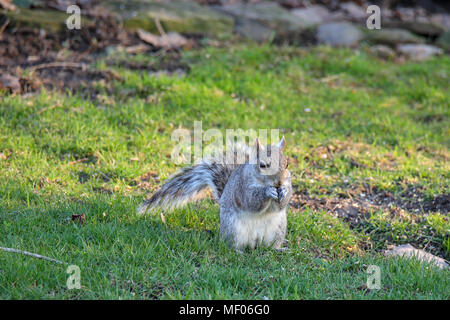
point(264, 165)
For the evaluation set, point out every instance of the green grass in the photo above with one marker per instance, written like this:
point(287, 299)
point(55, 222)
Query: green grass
point(101, 156)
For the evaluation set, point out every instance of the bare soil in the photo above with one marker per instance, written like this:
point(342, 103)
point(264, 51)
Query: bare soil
point(357, 205)
point(36, 58)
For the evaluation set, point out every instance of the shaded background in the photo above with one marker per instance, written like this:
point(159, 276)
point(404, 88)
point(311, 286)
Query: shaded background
point(33, 32)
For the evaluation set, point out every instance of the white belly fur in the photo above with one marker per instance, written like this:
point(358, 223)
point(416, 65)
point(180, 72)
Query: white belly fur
point(253, 229)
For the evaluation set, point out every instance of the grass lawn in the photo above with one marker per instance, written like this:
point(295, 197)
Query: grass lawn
point(353, 123)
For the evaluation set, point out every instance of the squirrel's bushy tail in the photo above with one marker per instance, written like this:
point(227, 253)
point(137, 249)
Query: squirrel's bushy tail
point(188, 184)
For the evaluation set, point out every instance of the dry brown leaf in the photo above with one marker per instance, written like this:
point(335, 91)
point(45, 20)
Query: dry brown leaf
point(171, 40)
point(7, 4)
point(81, 218)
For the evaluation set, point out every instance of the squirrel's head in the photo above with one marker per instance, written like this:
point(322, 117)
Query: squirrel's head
point(271, 162)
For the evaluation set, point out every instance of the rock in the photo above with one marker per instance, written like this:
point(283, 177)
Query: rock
point(406, 14)
point(9, 83)
point(175, 16)
point(382, 51)
point(312, 15)
point(441, 20)
point(338, 34)
point(386, 13)
point(266, 14)
point(419, 52)
point(392, 36)
point(423, 27)
point(353, 11)
point(253, 31)
point(444, 41)
point(337, 16)
point(408, 251)
point(290, 3)
point(42, 19)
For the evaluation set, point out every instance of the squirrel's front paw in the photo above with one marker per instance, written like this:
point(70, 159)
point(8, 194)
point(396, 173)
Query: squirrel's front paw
point(282, 192)
point(272, 193)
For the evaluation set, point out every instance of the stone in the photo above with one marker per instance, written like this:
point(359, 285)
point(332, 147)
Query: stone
point(253, 31)
point(312, 15)
point(392, 36)
point(406, 14)
point(408, 251)
point(174, 16)
point(382, 51)
point(353, 11)
point(338, 34)
point(419, 52)
point(337, 16)
point(387, 13)
point(288, 3)
point(9, 83)
point(269, 15)
point(422, 27)
point(441, 20)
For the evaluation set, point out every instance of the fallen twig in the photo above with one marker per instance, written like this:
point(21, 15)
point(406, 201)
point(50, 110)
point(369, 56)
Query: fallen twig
point(34, 255)
point(78, 161)
point(159, 27)
point(4, 26)
point(330, 78)
point(53, 106)
point(58, 65)
point(103, 175)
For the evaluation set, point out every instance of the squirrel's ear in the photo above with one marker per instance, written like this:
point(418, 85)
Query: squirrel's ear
point(282, 143)
point(257, 147)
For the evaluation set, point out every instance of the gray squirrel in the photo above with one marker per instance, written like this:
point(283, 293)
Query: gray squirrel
point(253, 196)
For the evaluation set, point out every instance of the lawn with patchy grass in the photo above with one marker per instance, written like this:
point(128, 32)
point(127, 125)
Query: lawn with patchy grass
point(369, 151)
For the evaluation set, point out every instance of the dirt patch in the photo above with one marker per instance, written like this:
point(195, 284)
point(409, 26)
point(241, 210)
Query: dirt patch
point(58, 60)
point(359, 201)
point(356, 206)
point(33, 58)
point(412, 199)
point(148, 182)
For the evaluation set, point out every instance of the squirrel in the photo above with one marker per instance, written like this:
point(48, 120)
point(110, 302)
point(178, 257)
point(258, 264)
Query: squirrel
point(253, 196)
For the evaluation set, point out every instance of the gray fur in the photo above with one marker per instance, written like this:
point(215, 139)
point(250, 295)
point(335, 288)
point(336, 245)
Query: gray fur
point(253, 200)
